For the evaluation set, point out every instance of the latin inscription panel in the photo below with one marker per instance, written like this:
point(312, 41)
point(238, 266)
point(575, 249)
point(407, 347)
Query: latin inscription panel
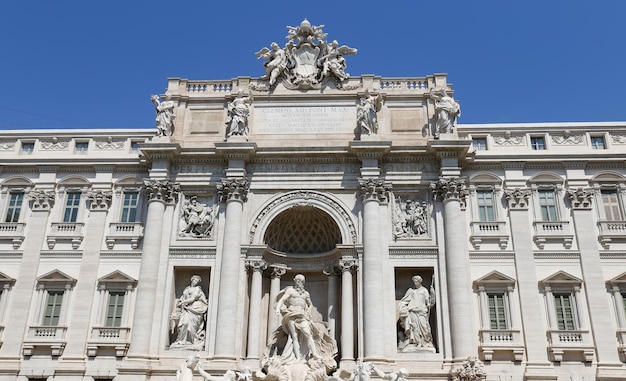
point(303, 120)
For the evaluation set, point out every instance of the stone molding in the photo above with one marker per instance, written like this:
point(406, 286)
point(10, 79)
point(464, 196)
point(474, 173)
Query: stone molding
point(161, 190)
point(99, 200)
point(450, 189)
point(517, 199)
point(374, 189)
point(580, 198)
point(42, 200)
point(233, 190)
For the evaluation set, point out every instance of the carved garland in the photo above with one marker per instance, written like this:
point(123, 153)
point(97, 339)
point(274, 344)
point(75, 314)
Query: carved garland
point(302, 195)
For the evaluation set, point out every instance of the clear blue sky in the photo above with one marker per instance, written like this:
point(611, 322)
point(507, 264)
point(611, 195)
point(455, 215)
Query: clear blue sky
point(94, 64)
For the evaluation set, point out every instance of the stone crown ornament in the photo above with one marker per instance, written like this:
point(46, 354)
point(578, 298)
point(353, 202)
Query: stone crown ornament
point(307, 60)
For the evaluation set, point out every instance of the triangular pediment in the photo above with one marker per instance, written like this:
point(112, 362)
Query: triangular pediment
point(117, 278)
point(620, 279)
point(562, 277)
point(5, 280)
point(56, 277)
point(495, 278)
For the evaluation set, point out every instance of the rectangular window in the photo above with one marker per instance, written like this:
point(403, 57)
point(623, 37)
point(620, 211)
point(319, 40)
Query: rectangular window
point(597, 142)
point(72, 204)
point(610, 202)
point(129, 207)
point(114, 309)
point(479, 144)
point(564, 311)
point(27, 148)
point(52, 312)
point(537, 143)
point(485, 206)
point(547, 203)
point(497, 311)
point(15, 207)
point(81, 147)
point(134, 147)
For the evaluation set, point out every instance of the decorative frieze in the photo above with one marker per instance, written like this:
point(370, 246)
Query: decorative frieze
point(374, 189)
point(568, 139)
point(508, 140)
point(517, 198)
point(110, 144)
point(54, 144)
point(6, 146)
point(233, 189)
point(41, 200)
point(618, 138)
point(580, 198)
point(99, 200)
point(449, 189)
point(161, 190)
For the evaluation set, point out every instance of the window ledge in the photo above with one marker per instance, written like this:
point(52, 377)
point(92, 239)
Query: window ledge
point(124, 232)
point(489, 231)
point(13, 231)
point(553, 231)
point(65, 231)
point(492, 340)
point(51, 337)
point(611, 231)
point(562, 341)
point(109, 337)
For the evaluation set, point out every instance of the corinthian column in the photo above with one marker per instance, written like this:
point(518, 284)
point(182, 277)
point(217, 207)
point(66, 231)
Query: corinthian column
point(373, 191)
point(451, 191)
point(272, 319)
point(256, 267)
point(159, 193)
point(347, 311)
point(234, 192)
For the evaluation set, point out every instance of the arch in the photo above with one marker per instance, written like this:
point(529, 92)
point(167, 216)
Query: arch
point(280, 203)
point(608, 177)
point(128, 181)
point(485, 178)
point(546, 177)
point(74, 181)
point(17, 181)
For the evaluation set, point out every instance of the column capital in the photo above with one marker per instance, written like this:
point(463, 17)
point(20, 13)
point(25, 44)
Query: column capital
point(99, 200)
point(348, 264)
point(256, 264)
point(161, 190)
point(374, 189)
point(278, 270)
point(332, 269)
point(517, 198)
point(580, 198)
point(233, 189)
point(42, 199)
point(450, 189)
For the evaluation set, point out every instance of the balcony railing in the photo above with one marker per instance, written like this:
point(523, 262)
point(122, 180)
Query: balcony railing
point(124, 231)
point(570, 341)
point(13, 231)
point(559, 231)
point(506, 340)
point(611, 231)
point(52, 337)
point(117, 338)
point(65, 231)
point(489, 231)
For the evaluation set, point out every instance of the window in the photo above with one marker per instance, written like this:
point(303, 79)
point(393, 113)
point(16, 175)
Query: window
point(52, 312)
point(597, 142)
point(72, 204)
point(497, 311)
point(134, 147)
point(479, 144)
point(115, 309)
point(564, 308)
point(14, 207)
point(81, 147)
point(129, 207)
point(537, 143)
point(610, 203)
point(547, 204)
point(486, 210)
point(27, 148)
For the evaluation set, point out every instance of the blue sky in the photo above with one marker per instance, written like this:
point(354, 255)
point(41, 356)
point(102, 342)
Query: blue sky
point(93, 64)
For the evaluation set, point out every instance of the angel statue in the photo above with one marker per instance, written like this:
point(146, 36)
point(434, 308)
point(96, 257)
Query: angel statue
point(238, 112)
point(366, 113)
point(276, 62)
point(164, 115)
point(333, 61)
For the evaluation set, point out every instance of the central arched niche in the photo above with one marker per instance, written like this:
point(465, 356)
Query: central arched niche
point(302, 230)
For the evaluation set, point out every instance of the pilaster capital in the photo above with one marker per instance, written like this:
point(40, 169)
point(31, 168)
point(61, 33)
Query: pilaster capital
point(580, 198)
point(99, 199)
point(374, 189)
point(517, 198)
point(41, 199)
point(278, 270)
point(472, 369)
point(258, 264)
point(161, 190)
point(348, 264)
point(331, 269)
point(450, 189)
point(233, 189)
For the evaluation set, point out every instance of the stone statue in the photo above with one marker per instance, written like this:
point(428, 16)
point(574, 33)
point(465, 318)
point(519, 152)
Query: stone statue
point(276, 62)
point(447, 110)
point(400, 375)
point(164, 115)
point(196, 219)
point(185, 372)
point(228, 376)
point(410, 221)
point(301, 346)
point(362, 372)
point(238, 112)
point(414, 311)
point(333, 61)
point(366, 113)
point(190, 317)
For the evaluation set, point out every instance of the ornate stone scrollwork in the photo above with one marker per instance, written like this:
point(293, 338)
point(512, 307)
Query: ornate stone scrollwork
point(348, 264)
point(449, 189)
point(278, 270)
point(580, 198)
point(99, 199)
point(161, 190)
point(233, 189)
point(256, 265)
point(42, 200)
point(372, 188)
point(472, 370)
point(517, 198)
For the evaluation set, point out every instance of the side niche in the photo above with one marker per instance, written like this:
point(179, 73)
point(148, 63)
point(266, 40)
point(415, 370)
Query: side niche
point(188, 308)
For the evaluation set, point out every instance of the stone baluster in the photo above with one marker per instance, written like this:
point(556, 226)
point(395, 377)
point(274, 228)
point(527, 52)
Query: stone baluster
point(333, 274)
point(347, 265)
point(234, 193)
point(273, 320)
point(452, 192)
point(373, 191)
point(159, 193)
point(256, 267)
